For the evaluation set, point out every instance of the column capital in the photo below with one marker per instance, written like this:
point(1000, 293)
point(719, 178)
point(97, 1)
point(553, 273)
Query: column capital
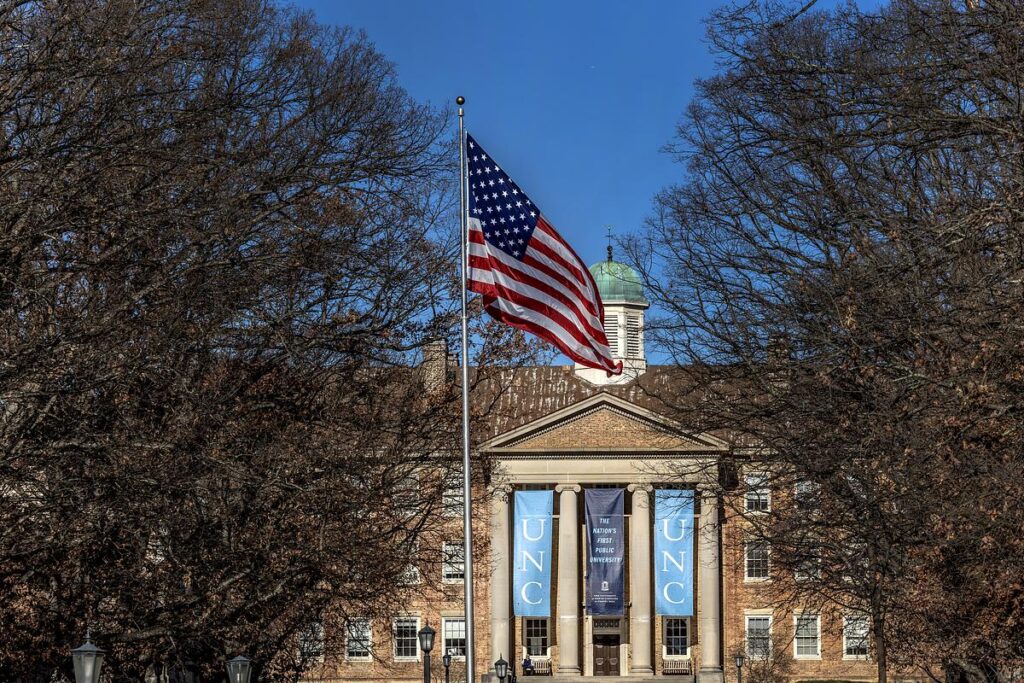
point(502, 491)
point(706, 491)
point(575, 488)
point(640, 488)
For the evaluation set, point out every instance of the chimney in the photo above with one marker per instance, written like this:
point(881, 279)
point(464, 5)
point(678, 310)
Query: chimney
point(435, 365)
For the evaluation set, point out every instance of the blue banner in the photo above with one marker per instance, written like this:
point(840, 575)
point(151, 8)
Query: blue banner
point(531, 594)
point(673, 552)
point(605, 551)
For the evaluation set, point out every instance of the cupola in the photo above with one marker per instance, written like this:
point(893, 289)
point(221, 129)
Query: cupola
point(622, 294)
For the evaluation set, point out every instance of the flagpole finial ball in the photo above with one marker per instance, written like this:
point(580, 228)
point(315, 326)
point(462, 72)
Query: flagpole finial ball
point(460, 100)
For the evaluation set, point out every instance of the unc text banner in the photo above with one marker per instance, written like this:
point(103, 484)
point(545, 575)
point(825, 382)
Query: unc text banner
point(532, 568)
point(673, 552)
point(605, 551)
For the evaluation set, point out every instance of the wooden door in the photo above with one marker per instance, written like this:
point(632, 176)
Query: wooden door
point(606, 655)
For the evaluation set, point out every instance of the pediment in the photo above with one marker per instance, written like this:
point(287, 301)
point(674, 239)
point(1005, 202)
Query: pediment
point(603, 423)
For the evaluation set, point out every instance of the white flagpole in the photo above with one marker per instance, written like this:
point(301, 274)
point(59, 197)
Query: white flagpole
point(467, 525)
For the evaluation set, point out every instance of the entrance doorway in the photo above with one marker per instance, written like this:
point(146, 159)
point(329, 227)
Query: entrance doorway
point(606, 655)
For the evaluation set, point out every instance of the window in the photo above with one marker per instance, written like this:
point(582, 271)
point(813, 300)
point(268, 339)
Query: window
point(406, 640)
point(357, 644)
point(759, 636)
point(677, 641)
point(808, 636)
point(453, 562)
point(808, 565)
point(756, 556)
point(536, 637)
point(410, 576)
point(611, 330)
point(633, 335)
point(451, 497)
point(311, 643)
point(406, 494)
point(758, 496)
point(453, 630)
point(855, 637)
point(806, 494)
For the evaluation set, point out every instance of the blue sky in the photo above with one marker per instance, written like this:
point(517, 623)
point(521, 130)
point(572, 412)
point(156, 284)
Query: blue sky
point(574, 98)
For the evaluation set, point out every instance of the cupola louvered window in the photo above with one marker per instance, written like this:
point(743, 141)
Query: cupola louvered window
point(611, 329)
point(632, 335)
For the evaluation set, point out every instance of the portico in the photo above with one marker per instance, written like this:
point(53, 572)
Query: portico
point(606, 442)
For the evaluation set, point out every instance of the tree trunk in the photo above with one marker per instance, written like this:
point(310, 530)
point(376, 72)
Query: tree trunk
point(878, 631)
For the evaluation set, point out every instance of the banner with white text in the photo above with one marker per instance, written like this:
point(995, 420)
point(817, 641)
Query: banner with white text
point(606, 554)
point(531, 596)
point(673, 552)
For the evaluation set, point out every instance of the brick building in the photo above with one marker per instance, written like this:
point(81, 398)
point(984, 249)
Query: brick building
point(568, 430)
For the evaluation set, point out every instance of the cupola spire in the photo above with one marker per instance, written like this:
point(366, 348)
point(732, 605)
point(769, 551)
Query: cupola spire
point(622, 295)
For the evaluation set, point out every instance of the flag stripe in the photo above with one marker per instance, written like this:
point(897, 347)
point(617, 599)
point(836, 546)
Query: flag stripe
point(536, 324)
point(530, 277)
point(537, 277)
point(533, 308)
point(524, 291)
point(505, 304)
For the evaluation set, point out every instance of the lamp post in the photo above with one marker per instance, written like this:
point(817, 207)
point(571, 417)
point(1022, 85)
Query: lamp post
point(88, 661)
point(239, 669)
point(739, 658)
point(501, 668)
point(426, 636)
point(447, 661)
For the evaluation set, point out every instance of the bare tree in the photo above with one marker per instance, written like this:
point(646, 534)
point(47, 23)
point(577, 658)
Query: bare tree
point(225, 235)
point(841, 273)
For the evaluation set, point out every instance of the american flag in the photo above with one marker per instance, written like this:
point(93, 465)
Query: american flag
point(529, 276)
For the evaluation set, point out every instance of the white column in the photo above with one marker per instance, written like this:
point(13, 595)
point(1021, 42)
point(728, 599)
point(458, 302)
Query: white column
point(568, 582)
point(708, 590)
point(500, 577)
point(640, 582)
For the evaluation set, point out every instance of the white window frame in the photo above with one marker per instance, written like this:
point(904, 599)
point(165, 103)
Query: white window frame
point(407, 489)
point(813, 564)
point(394, 638)
point(444, 636)
point(758, 489)
point(547, 637)
point(314, 631)
point(746, 635)
point(410, 576)
point(445, 554)
point(369, 640)
point(803, 489)
point(746, 561)
point(451, 493)
point(664, 638)
point(817, 636)
point(867, 636)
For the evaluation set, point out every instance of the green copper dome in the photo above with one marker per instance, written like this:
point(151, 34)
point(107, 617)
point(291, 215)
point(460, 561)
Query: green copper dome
point(618, 283)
